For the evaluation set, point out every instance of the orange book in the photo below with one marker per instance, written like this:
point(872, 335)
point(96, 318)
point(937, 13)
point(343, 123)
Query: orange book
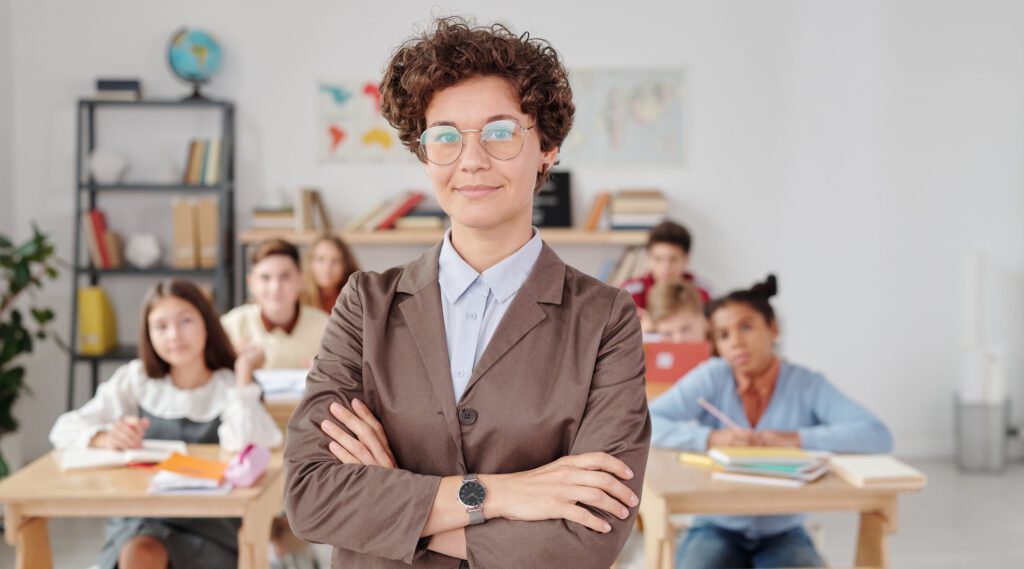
point(194, 466)
point(594, 217)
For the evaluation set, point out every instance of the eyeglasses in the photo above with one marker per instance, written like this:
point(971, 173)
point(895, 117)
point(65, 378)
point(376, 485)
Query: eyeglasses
point(501, 139)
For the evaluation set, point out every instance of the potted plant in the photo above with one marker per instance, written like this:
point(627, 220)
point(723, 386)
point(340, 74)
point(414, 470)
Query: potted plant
point(23, 270)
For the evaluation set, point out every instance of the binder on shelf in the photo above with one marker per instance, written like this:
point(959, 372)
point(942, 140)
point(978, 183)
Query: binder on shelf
point(596, 211)
point(97, 326)
point(186, 246)
point(115, 249)
point(207, 229)
point(311, 214)
point(90, 239)
point(211, 170)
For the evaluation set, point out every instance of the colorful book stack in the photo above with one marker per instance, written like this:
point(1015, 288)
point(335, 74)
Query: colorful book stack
point(203, 162)
point(386, 214)
point(105, 246)
point(118, 89)
point(273, 217)
point(189, 475)
point(775, 466)
point(637, 209)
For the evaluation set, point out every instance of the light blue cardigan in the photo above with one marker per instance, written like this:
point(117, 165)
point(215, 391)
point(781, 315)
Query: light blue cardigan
point(803, 401)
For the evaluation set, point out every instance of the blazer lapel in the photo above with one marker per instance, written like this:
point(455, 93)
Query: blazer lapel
point(423, 315)
point(544, 285)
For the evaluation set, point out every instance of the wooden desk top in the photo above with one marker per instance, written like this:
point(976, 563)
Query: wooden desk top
point(690, 489)
point(41, 489)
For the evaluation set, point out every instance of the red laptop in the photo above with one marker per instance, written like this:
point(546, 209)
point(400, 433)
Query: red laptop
point(667, 362)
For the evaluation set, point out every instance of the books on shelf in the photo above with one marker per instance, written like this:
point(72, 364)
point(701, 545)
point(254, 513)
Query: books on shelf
point(196, 226)
point(152, 451)
point(106, 250)
point(203, 162)
point(108, 89)
point(632, 263)
point(597, 211)
point(877, 471)
point(310, 211)
point(637, 209)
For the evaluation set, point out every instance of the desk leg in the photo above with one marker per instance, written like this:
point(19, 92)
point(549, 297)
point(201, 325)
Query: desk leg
point(872, 549)
point(31, 537)
point(254, 535)
point(658, 546)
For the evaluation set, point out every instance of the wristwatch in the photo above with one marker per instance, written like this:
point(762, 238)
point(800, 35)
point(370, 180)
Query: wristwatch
point(471, 496)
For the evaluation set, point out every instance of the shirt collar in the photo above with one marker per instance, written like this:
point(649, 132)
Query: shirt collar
point(762, 385)
point(455, 275)
point(287, 328)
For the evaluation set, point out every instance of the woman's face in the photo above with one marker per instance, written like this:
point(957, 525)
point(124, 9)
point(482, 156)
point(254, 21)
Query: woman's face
point(327, 265)
point(177, 331)
point(743, 337)
point(478, 191)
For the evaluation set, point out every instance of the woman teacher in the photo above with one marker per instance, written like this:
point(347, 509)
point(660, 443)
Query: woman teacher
point(485, 402)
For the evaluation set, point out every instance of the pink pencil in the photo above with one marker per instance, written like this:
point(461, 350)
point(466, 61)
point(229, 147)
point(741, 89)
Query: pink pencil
point(718, 414)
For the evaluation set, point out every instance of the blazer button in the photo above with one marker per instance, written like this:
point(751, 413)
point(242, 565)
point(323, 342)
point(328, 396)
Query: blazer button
point(463, 564)
point(467, 416)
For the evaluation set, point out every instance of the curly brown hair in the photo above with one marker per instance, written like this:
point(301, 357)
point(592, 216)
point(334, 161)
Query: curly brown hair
point(456, 50)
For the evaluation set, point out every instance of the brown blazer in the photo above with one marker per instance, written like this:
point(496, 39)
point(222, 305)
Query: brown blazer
point(562, 375)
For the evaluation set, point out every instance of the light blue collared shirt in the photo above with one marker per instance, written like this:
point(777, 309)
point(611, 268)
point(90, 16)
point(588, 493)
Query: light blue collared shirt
point(474, 303)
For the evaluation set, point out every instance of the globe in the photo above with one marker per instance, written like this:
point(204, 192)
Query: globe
point(194, 56)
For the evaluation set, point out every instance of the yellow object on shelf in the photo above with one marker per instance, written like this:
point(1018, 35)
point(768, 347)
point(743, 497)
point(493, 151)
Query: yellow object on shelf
point(97, 326)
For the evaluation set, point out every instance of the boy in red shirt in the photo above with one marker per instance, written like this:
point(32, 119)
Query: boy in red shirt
point(668, 258)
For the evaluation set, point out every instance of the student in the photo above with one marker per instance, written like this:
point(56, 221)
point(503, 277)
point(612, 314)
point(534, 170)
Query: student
point(327, 265)
point(778, 404)
point(668, 260)
point(675, 313)
point(181, 388)
point(276, 331)
point(484, 402)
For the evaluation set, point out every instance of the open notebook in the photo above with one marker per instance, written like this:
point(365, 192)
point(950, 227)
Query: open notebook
point(152, 451)
point(877, 471)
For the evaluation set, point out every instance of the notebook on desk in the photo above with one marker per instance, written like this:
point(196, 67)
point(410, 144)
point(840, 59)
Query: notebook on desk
point(667, 362)
point(152, 451)
point(877, 471)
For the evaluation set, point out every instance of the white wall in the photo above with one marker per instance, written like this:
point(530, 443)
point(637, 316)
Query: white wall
point(859, 150)
point(6, 88)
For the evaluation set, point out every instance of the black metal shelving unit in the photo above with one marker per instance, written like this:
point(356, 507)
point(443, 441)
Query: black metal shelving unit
point(87, 193)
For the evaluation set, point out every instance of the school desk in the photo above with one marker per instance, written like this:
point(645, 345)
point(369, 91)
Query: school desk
point(674, 488)
point(41, 491)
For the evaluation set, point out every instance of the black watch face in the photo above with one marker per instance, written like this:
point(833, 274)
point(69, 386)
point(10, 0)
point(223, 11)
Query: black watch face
point(472, 494)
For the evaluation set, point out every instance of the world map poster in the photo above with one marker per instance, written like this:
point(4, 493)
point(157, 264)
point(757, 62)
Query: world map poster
point(626, 117)
point(351, 128)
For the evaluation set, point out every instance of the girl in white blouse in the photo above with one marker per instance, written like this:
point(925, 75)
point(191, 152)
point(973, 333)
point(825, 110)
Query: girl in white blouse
point(182, 387)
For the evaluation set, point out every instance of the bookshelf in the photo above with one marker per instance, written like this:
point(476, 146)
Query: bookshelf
point(87, 196)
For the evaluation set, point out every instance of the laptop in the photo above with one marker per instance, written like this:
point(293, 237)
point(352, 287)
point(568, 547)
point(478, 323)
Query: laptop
point(667, 362)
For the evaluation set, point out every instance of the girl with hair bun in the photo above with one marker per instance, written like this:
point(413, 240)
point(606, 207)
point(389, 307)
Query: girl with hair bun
point(776, 403)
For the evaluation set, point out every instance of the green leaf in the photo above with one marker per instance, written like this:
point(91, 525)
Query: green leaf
point(42, 315)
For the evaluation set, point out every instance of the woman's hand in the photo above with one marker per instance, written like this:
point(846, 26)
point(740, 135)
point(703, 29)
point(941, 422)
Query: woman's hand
point(369, 446)
point(127, 433)
point(249, 359)
point(554, 490)
point(731, 438)
point(777, 439)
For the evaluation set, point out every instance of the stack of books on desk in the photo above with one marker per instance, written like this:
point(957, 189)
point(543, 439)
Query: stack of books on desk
point(189, 475)
point(152, 451)
point(282, 384)
point(791, 467)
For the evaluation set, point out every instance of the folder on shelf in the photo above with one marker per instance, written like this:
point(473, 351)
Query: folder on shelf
point(207, 222)
point(97, 326)
point(211, 172)
point(186, 246)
